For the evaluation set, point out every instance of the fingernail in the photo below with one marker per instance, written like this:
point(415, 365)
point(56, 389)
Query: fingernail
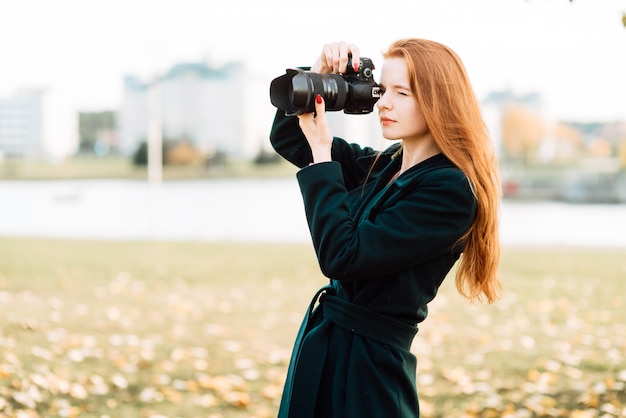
point(318, 99)
point(355, 65)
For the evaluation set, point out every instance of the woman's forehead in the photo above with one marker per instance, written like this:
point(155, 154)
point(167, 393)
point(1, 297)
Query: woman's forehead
point(394, 72)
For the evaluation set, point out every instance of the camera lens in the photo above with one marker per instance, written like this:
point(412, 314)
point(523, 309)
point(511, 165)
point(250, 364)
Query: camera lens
point(295, 91)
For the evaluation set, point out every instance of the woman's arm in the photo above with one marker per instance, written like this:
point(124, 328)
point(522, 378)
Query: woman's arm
point(288, 140)
point(408, 227)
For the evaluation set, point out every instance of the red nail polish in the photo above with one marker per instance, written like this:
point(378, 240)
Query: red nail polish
point(318, 99)
point(356, 67)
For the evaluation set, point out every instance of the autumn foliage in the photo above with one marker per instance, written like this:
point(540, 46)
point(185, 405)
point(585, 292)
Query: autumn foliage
point(156, 330)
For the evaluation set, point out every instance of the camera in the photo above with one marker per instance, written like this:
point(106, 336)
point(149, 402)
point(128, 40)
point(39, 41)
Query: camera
point(354, 92)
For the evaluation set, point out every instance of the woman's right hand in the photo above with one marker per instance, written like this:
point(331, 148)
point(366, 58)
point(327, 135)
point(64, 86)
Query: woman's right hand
point(334, 58)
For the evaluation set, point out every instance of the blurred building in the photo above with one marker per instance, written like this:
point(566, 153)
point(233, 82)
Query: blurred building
point(36, 123)
point(218, 110)
point(497, 104)
point(21, 124)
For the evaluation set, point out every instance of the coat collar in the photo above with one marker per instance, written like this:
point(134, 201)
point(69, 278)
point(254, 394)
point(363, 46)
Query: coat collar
point(386, 159)
point(436, 161)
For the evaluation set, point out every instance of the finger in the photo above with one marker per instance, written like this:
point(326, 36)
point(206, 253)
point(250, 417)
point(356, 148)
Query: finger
point(320, 108)
point(356, 56)
point(322, 128)
point(327, 57)
point(344, 57)
point(349, 52)
point(335, 58)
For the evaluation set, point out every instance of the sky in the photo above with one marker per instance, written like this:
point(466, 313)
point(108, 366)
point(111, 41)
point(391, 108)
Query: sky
point(573, 53)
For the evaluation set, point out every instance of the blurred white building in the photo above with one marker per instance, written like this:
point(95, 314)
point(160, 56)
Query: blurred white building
point(35, 124)
point(224, 109)
point(21, 124)
point(217, 110)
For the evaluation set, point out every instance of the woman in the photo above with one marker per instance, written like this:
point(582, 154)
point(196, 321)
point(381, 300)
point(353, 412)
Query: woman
point(387, 228)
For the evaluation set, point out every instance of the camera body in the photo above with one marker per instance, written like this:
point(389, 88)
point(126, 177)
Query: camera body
point(354, 92)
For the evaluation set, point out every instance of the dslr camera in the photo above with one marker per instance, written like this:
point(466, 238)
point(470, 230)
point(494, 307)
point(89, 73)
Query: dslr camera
point(354, 92)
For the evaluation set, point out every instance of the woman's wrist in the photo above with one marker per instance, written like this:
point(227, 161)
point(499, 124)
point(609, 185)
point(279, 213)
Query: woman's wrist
point(321, 155)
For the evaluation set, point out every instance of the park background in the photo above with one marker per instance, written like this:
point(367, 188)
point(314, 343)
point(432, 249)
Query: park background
point(126, 292)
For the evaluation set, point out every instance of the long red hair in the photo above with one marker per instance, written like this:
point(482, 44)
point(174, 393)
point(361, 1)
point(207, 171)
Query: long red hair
point(446, 99)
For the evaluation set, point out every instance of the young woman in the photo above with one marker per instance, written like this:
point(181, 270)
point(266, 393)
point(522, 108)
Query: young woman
point(387, 227)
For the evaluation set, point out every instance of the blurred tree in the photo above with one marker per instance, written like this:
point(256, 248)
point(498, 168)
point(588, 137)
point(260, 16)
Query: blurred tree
point(176, 152)
point(600, 147)
point(621, 154)
point(140, 156)
point(182, 153)
point(568, 141)
point(267, 157)
point(94, 128)
point(522, 131)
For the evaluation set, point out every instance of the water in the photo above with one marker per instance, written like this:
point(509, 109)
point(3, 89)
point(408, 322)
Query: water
point(268, 210)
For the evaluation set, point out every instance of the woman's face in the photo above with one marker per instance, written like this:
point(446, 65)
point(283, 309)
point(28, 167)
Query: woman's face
point(400, 116)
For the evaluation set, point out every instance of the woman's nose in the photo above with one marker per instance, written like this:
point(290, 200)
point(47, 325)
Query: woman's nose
point(382, 103)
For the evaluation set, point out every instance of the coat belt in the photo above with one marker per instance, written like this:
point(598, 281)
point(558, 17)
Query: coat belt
point(311, 346)
point(367, 323)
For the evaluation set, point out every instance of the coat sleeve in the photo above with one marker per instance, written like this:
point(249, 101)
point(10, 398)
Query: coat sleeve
point(425, 222)
point(288, 140)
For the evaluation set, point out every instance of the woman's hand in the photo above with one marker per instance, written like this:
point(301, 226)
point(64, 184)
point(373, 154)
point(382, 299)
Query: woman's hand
point(334, 58)
point(317, 132)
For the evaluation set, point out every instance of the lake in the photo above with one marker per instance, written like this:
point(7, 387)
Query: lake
point(268, 210)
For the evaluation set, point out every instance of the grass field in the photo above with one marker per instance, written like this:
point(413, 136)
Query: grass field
point(164, 329)
point(85, 167)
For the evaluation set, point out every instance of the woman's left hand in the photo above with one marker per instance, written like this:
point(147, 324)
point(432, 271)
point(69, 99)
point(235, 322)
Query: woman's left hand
point(317, 132)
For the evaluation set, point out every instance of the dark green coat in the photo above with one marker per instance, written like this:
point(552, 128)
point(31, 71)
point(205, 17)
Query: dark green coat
point(386, 249)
